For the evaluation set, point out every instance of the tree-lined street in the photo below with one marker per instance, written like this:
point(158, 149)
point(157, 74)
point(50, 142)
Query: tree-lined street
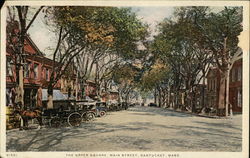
point(137, 129)
point(154, 79)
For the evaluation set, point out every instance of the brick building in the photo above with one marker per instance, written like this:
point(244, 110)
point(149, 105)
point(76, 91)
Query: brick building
point(110, 96)
point(37, 71)
point(235, 87)
point(90, 89)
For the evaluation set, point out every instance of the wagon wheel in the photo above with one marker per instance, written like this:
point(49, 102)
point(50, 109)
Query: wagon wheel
point(84, 116)
point(88, 116)
point(102, 113)
point(55, 122)
point(74, 119)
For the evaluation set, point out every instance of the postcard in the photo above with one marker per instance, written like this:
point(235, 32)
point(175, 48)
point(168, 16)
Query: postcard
point(128, 79)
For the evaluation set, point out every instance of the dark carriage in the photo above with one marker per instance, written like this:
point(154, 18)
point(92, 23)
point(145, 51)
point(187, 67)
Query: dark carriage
point(65, 111)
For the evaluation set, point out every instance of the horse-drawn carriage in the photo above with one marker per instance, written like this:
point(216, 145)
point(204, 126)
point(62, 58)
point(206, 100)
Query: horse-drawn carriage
point(71, 114)
point(65, 112)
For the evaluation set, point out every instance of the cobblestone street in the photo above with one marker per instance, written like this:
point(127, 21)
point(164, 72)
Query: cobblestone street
point(137, 129)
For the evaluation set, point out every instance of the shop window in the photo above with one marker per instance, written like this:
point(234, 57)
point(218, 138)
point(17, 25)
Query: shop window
point(239, 74)
point(239, 98)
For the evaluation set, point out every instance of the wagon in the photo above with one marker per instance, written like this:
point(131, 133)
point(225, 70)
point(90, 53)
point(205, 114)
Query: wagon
point(64, 112)
point(57, 117)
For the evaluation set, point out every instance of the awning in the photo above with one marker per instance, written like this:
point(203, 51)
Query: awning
point(57, 95)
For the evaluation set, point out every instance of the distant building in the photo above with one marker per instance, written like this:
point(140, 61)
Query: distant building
point(110, 96)
point(69, 83)
point(90, 89)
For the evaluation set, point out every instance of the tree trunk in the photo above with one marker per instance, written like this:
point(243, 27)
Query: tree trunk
point(203, 91)
point(21, 87)
point(127, 98)
point(155, 95)
point(169, 98)
point(175, 100)
point(160, 97)
point(76, 87)
point(227, 94)
point(164, 98)
point(193, 101)
point(222, 92)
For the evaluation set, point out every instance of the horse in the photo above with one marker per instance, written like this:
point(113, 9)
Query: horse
point(27, 115)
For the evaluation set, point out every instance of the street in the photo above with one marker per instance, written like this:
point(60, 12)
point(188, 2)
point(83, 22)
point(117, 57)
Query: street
point(137, 129)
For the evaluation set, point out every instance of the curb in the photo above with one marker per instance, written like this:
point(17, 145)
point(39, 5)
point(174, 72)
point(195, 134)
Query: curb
point(199, 115)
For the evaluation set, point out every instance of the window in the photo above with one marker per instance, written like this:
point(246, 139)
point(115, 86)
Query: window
point(233, 75)
point(44, 73)
point(208, 84)
point(47, 74)
point(27, 69)
point(35, 70)
point(9, 67)
point(239, 73)
point(214, 84)
point(239, 98)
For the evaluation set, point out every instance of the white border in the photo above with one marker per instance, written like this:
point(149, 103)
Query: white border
point(129, 3)
point(245, 121)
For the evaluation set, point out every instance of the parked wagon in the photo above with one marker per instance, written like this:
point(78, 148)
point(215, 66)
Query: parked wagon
point(64, 112)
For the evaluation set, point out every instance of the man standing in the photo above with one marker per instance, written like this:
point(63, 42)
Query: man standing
point(13, 95)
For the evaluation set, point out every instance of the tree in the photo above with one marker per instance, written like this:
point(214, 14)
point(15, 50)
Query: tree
point(177, 44)
point(89, 33)
point(124, 76)
point(195, 38)
point(154, 79)
point(219, 32)
point(77, 32)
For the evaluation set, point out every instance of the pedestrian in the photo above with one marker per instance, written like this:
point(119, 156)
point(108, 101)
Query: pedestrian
point(8, 100)
point(69, 92)
point(18, 98)
point(13, 95)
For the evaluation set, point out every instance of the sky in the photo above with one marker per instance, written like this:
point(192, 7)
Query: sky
point(44, 39)
point(153, 15)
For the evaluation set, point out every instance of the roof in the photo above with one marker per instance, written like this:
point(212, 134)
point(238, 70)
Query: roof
point(28, 38)
point(57, 95)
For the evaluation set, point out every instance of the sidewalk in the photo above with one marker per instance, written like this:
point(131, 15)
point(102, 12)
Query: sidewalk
point(199, 115)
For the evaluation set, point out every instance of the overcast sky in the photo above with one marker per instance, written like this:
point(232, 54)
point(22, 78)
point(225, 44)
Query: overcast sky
point(44, 39)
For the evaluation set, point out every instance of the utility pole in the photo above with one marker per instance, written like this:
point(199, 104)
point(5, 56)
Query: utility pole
point(227, 89)
point(76, 86)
